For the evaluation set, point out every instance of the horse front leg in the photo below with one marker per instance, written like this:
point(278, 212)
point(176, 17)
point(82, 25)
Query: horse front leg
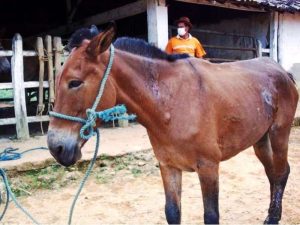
point(172, 179)
point(208, 172)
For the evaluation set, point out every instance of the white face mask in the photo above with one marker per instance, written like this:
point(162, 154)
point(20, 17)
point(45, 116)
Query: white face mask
point(181, 31)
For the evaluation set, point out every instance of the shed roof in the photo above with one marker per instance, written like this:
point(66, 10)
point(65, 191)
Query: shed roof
point(279, 5)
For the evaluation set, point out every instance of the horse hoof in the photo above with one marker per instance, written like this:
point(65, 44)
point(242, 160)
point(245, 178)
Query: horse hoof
point(270, 220)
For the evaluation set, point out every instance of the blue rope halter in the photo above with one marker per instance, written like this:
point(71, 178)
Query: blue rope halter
point(87, 130)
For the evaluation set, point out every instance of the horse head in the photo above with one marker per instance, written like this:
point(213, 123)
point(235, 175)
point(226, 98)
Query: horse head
point(76, 88)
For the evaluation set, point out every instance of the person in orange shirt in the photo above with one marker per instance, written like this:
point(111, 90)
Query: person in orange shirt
point(184, 42)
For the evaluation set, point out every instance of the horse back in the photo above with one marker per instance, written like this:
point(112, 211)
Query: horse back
point(234, 104)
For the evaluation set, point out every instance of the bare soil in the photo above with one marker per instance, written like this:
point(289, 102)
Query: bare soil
point(128, 190)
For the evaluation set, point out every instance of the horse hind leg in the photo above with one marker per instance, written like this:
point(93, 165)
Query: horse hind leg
point(279, 137)
point(263, 151)
point(272, 150)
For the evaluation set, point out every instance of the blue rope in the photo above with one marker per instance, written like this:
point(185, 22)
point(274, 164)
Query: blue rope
point(10, 154)
point(11, 194)
point(88, 171)
point(2, 173)
point(87, 130)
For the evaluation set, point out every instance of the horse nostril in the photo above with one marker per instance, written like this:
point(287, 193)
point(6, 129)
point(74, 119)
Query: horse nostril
point(59, 149)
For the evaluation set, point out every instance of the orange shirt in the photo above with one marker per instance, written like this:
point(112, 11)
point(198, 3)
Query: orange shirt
point(191, 46)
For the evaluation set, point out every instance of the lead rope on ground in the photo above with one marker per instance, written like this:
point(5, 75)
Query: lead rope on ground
point(2, 173)
point(84, 179)
point(11, 154)
point(11, 194)
point(6, 155)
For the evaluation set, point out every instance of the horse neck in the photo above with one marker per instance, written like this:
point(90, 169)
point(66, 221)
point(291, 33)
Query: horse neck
point(136, 80)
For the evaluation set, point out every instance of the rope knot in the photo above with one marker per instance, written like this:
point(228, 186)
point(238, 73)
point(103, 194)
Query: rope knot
point(91, 117)
point(87, 130)
point(114, 113)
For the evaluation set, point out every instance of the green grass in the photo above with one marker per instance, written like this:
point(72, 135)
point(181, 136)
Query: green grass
point(38, 179)
point(136, 172)
point(107, 169)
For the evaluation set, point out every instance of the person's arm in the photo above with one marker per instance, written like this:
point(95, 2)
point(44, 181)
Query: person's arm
point(200, 52)
point(169, 48)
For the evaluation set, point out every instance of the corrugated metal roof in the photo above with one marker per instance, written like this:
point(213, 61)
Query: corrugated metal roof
point(280, 5)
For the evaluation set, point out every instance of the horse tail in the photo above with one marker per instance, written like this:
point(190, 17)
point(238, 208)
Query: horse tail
point(291, 77)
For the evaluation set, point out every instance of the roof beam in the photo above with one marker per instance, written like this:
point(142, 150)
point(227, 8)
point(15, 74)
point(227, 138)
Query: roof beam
point(226, 5)
point(114, 14)
point(73, 11)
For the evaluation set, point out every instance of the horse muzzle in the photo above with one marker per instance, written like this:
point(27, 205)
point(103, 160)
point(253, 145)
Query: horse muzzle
point(64, 148)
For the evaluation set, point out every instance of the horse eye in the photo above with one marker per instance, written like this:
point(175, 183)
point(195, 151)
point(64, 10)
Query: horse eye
point(75, 83)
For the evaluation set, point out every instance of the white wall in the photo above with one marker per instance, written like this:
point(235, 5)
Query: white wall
point(289, 43)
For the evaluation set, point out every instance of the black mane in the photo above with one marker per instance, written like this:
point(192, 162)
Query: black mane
point(143, 48)
point(132, 45)
point(79, 35)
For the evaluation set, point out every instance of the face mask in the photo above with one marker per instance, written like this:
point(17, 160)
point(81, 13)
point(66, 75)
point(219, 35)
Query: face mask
point(181, 31)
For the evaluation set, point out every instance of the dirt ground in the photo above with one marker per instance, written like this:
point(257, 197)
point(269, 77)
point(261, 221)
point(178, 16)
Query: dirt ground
point(129, 197)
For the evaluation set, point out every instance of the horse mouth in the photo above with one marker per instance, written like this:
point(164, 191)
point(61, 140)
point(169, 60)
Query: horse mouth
point(66, 150)
point(66, 160)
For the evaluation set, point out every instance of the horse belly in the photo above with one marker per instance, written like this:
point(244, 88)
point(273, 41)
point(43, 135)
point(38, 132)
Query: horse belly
point(241, 136)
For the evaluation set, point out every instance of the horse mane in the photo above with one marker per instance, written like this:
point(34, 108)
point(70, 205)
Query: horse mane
point(143, 48)
point(291, 77)
point(79, 35)
point(128, 44)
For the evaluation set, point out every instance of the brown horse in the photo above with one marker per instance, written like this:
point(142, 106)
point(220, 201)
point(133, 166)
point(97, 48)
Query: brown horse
point(197, 114)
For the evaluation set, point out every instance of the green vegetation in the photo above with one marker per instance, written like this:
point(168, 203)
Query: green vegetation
point(107, 169)
point(136, 172)
point(32, 180)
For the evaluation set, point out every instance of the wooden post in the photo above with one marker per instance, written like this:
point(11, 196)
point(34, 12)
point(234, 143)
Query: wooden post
point(274, 35)
point(57, 44)
point(258, 48)
point(280, 43)
point(48, 41)
point(157, 17)
point(40, 49)
point(123, 123)
point(18, 87)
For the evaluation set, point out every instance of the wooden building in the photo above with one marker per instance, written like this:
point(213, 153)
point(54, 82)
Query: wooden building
point(229, 29)
point(274, 23)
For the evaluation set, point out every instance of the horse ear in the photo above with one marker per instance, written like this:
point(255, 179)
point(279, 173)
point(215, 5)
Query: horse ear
point(102, 41)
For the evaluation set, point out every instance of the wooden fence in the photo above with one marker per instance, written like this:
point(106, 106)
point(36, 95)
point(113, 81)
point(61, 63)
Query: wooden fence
point(18, 85)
